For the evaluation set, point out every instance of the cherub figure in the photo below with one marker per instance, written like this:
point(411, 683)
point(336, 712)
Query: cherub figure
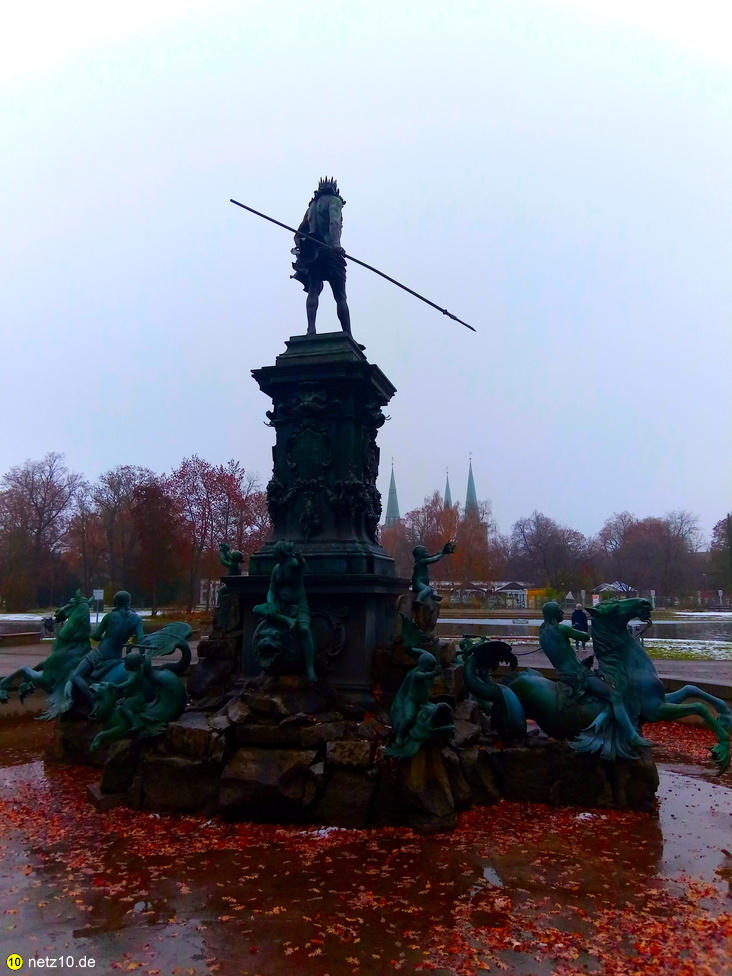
point(423, 591)
point(231, 559)
point(287, 602)
point(414, 717)
point(143, 703)
point(133, 691)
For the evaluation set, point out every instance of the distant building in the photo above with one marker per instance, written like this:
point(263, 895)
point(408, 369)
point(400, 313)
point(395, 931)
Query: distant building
point(471, 497)
point(392, 505)
point(471, 508)
point(615, 591)
point(512, 595)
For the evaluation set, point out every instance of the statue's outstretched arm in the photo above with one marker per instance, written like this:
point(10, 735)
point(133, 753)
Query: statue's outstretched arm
point(574, 634)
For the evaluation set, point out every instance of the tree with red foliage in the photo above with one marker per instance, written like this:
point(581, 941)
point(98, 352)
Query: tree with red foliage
point(158, 525)
point(653, 553)
point(395, 541)
point(479, 554)
point(217, 504)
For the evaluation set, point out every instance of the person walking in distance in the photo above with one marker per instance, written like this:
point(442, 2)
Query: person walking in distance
point(580, 622)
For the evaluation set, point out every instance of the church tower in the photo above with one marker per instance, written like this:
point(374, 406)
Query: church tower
point(392, 505)
point(448, 493)
point(471, 497)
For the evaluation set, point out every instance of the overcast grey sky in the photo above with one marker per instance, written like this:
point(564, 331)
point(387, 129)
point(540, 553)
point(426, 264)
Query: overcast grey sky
point(559, 174)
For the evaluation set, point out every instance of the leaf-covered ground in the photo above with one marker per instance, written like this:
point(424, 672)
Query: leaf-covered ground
point(517, 888)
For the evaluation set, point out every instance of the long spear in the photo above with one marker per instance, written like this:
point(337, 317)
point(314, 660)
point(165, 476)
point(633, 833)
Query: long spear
point(350, 257)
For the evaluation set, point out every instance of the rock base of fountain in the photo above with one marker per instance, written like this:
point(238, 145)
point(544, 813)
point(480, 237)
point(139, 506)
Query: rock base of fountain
point(284, 751)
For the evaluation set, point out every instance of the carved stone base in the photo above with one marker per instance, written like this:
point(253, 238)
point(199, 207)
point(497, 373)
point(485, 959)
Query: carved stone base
point(285, 751)
point(352, 616)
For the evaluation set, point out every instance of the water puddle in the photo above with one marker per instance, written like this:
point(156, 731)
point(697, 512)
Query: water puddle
point(521, 887)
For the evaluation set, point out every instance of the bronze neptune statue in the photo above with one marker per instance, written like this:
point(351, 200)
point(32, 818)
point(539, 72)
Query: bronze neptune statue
point(313, 264)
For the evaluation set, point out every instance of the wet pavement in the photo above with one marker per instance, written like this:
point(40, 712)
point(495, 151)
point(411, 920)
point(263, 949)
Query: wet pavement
point(521, 888)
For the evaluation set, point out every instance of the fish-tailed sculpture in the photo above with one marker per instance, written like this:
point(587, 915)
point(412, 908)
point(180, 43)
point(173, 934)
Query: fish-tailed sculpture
point(117, 629)
point(142, 704)
point(480, 659)
point(588, 718)
point(415, 719)
point(69, 648)
point(612, 732)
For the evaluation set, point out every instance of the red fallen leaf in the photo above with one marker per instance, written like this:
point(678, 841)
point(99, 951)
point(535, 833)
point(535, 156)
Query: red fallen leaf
point(253, 949)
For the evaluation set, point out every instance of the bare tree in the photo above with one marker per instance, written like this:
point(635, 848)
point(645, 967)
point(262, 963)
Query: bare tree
point(35, 503)
point(547, 552)
point(85, 544)
point(114, 495)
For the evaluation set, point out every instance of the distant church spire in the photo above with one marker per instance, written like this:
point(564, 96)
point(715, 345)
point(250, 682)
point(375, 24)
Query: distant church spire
point(392, 505)
point(448, 493)
point(471, 497)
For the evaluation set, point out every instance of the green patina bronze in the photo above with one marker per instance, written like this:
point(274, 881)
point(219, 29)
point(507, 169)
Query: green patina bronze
point(315, 264)
point(286, 616)
point(231, 559)
point(578, 709)
point(423, 591)
point(142, 704)
point(114, 631)
point(555, 640)
point(415, 719)
point(480, 658)
point(69, 647)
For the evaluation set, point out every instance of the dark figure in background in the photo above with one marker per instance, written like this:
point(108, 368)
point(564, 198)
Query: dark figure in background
point(313, 264)
point(580, 622)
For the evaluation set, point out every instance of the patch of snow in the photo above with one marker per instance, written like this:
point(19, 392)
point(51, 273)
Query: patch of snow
point(323, 831)
point(712, 614)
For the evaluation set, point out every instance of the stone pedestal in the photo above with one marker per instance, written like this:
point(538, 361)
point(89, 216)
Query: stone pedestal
point(353, 615)
point(326, 412)
point(327, 404)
